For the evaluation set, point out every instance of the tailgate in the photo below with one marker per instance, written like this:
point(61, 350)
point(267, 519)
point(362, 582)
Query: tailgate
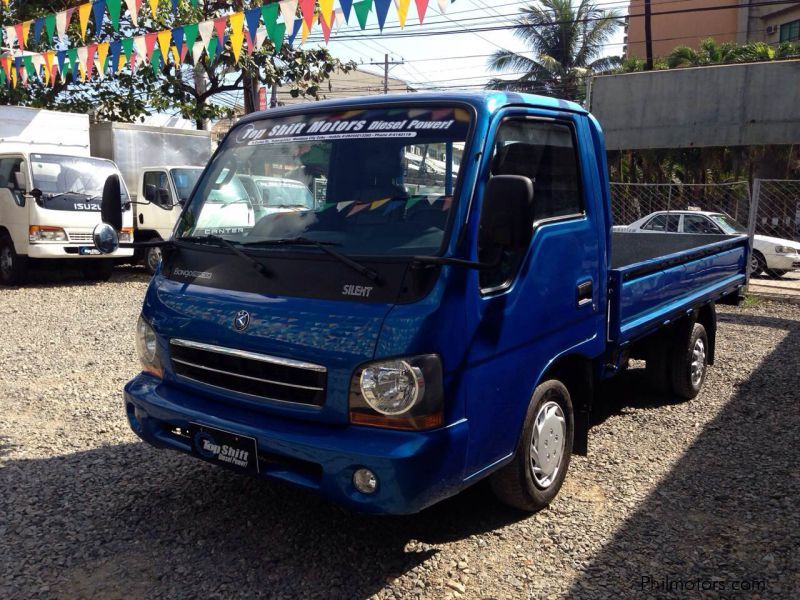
point(645, 295)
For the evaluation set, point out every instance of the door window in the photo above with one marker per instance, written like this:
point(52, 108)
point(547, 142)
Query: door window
point(667, 223)
point(159, 180)
point(544, 152)
point(699, 224)
point(10, 167)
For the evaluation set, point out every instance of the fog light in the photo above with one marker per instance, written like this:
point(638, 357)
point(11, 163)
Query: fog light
point(365, 481)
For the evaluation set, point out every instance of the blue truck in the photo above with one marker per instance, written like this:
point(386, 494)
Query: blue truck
point(439, 309)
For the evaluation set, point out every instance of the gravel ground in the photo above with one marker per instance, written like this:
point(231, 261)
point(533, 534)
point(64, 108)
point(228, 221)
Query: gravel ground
point(685, 494)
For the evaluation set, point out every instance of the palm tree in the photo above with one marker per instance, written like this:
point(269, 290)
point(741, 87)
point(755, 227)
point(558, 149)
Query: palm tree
point(709, 53)
point(566, 42)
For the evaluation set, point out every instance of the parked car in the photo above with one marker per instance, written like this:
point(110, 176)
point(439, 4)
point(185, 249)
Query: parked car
point(771, 255)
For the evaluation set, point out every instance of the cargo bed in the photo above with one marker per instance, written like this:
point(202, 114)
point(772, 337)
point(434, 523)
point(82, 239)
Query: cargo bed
point(657, 277)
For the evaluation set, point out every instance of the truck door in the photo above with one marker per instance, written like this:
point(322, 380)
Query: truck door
point(544, 301)
point(158, 216)
point(13, 209)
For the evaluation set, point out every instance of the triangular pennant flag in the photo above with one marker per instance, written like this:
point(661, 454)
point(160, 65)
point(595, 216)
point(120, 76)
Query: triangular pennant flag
point(276, 33)
point(83, 18)
point(150, 40)
point(362, 12)
point(378, 203)
point(114, 9)
point(443, 5)
point(61, 55)
point(164, 39)
point(50, 27)
point(177, 40)
point(412, 201)
point(307, 10)
point(346, 6)
point(269, 13)
point(62, 22)
point(197, 51)
point(358, 208)
point(133, 10)
point(127, 47)
point(422, 6)
point(26, 30)
point(206, 30)
point(176, 58)
point(237, 34)
point(295, 30)
point(304, 31)
point(115, 49)
point(38, 62)
point(83, 56)
point(155, 61)
point(99, 10)
point(338, 17)
point(100, 71)
point(402, 11)
point(326, 10)
point(340, 206)
point(326, 29)
point(48, 64)
point(11, 35)
point(219, 27)
point(382, 8)
point(289, 10)
point(190, 35)
point(38, 26)
point(252, 18)
point(91, 50)
point(21, 35)
point(102, 56)
point(213, 46)
point(154, 7)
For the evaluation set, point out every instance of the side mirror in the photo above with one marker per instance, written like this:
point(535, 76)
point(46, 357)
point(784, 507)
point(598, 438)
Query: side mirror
point(163, 197)
point(111, 206)
point(105, 237)
point(150, 192)
point(505, 218)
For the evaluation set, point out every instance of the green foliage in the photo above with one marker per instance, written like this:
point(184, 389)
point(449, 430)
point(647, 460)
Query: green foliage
point(193, 91)
point(566, 42)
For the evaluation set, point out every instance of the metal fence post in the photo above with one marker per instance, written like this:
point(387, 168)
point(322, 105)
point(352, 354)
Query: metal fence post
point(752, 218)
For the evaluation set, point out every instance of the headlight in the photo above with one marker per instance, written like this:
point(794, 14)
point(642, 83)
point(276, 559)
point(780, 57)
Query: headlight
point(147, 348)
point(402, 393)
point(126, 235)
point(45, 233)
point(785, 250)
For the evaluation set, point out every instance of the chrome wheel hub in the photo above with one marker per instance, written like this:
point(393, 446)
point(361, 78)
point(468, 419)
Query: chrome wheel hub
point(698, 365)
point(753, 264)
point(547, 444)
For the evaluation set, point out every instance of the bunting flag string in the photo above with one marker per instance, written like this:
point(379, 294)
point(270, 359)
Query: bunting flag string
point(276, 21)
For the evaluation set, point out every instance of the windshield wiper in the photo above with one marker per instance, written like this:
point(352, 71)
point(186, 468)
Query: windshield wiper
point(204, 239)
point(59, 195)
point(370, 274)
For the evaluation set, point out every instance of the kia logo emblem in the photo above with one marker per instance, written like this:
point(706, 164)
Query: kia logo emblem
point(241, 321)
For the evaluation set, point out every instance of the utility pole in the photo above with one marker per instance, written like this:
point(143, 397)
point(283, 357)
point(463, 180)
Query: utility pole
point(386, 65)
point(648, 38)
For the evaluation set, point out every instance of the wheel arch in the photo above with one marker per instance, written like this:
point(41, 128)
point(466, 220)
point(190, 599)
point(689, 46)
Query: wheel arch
point(575, 371)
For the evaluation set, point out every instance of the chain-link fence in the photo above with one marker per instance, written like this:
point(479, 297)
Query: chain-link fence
point(778, 208)
point(632, 203)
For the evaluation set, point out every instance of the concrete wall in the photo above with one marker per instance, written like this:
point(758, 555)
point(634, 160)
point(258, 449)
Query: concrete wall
point(731, 105)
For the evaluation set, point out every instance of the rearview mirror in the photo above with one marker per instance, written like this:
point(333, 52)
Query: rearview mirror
point(111, 206)
point(105, 237)
point(505, 219)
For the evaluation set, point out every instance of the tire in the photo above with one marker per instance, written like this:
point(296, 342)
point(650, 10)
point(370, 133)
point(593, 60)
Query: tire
point(152, 259)
point(777, 274)
point(690, 363)
point(13, 267)
point(98, 269)
point(549, 413)
point(758, 264)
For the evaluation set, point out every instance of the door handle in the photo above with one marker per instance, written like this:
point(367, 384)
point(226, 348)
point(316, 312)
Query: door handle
point(585, 293)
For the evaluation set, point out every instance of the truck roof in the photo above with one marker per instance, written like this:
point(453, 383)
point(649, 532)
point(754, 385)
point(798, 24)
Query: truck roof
point(483, 101)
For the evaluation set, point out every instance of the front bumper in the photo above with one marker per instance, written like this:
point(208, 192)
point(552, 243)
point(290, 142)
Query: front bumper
point(56, 250)
point(783, 262)
point(414, 469)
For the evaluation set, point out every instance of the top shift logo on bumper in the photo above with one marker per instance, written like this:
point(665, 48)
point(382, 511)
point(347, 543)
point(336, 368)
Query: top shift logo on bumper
point(241, 321)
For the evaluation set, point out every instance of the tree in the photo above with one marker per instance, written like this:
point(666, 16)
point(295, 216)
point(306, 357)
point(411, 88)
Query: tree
point(566, 42)
point(189, 90)
point(709, 53)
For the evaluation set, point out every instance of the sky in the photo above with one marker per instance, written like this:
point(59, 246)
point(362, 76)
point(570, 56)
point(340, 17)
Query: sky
point(444, 60)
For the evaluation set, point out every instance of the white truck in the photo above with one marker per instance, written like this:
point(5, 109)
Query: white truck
point(50, 191)
point(160, 165)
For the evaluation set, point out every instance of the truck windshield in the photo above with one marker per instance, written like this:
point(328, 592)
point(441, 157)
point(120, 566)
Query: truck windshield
point(72, 182)
point(184, 181)
point(370, 182)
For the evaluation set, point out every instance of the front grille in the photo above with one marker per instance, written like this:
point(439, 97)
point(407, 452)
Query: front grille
point(80, 237)
point(259, 375)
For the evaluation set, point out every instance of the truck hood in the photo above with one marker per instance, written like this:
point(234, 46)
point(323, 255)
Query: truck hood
point(337, 335)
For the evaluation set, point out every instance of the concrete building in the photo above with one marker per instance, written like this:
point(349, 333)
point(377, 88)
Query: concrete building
point(771, 24)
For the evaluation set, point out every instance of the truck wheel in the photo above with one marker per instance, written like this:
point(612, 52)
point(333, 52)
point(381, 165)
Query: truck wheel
point(98, 269)
point(757, 264)
point(534, 477)
point(152, 258)
point(13, 267)
point(689, 363)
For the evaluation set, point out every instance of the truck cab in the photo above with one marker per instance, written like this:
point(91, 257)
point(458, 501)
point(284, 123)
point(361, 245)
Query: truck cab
point(440, 313)
point(162, 192)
